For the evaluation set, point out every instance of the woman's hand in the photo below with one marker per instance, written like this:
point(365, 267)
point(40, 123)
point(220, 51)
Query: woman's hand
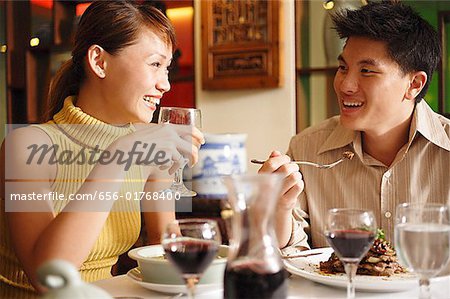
point(168, 144)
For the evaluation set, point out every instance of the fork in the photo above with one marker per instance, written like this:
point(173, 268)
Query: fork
point(293, 256)
point(345, 155)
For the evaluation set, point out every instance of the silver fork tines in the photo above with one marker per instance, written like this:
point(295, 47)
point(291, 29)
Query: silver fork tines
point(345, 155)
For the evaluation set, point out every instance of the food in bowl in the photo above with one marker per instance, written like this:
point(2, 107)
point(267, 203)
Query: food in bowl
point(155, 268)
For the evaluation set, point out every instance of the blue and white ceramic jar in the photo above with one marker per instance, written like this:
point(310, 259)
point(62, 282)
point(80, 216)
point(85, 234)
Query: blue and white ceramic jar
point(222, 154)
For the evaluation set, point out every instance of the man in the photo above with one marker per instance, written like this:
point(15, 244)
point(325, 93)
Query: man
point(402, 148)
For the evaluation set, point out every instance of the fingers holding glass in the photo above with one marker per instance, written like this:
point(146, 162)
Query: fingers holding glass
point(184, 116)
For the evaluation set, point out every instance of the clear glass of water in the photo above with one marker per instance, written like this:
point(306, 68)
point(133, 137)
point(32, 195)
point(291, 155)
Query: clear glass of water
point(422, 240)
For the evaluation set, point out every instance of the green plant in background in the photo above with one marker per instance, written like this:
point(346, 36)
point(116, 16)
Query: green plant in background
point(447, 67)
point(429, 10)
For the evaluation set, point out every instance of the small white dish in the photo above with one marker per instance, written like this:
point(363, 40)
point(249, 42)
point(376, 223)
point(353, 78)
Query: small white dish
point(135, 276)
point(157, 270)
point(308, 267)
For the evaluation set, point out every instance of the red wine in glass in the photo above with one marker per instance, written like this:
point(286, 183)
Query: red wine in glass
point(350, 232)
point(243, 282)
point(191, 256)
point(350, 244)
point(191, 245)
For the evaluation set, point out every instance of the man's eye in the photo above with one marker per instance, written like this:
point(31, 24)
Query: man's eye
point(342, 68)
point(156, 64)
point(366, 71)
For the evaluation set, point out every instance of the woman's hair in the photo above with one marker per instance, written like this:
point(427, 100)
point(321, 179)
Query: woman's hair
point(113, 25)
point(411, 41)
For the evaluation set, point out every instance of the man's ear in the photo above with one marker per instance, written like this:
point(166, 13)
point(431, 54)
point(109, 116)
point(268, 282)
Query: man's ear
point(416, 84)
point(96, 60)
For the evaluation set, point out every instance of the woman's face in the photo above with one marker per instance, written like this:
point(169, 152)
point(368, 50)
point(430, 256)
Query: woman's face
point(136, 79)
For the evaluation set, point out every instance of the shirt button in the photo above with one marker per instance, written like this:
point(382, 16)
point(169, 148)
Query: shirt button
point(387, 174)
point(388, 214)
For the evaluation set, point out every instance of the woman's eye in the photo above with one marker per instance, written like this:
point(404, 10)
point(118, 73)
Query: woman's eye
point(156, 64)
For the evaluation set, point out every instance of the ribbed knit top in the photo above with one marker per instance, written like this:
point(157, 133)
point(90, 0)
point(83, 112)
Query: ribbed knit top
point(72, 129)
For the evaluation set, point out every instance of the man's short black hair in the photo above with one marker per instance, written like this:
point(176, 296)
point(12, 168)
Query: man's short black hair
point(411, 41)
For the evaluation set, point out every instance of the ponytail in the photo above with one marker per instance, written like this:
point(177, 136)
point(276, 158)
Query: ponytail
point(65, 83)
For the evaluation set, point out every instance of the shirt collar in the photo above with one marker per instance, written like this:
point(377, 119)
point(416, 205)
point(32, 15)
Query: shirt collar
point(86, 130)
point(428, 124)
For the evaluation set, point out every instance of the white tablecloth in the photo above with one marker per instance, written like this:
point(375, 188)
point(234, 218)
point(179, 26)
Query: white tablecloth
point(122, 286)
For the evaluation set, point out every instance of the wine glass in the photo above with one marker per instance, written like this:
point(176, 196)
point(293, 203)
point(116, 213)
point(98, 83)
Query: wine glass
point(180, 116)
point(422, 240)
point(351, 233)
point(191, 245)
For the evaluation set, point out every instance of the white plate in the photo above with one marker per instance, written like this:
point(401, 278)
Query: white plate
point(135, 276)
point(308, 267)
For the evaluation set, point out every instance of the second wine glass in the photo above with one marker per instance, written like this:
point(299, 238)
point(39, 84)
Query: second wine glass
point(350, 232)
point(181, 116)
point(191, 245)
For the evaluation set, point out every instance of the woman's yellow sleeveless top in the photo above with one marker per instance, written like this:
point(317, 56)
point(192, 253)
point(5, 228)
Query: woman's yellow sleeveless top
point(72, 129)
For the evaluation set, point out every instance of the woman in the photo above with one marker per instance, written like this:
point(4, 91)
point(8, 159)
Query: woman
point(102, 101)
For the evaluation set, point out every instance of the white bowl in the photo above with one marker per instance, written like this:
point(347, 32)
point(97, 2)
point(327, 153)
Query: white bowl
point(161, 271)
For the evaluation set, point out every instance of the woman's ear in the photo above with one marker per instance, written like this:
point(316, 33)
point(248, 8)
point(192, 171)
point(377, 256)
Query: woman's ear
point(96, 60)
point(416, 84)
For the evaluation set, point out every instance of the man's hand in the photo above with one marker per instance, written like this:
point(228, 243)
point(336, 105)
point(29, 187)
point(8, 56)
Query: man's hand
point(292, 183)
point(292, 187)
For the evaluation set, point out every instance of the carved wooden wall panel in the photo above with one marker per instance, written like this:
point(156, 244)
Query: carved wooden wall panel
point(240, 44)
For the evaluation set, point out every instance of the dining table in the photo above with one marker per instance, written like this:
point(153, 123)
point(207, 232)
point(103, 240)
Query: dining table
point(122, 287)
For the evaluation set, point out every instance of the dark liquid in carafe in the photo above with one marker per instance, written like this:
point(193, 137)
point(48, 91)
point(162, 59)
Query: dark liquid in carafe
point(244, 283)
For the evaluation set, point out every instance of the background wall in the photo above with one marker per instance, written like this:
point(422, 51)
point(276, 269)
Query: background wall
point(266, 115)
point(3, 107)
point(182, 78)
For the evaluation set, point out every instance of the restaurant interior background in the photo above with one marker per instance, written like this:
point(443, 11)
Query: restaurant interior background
point(36, 35)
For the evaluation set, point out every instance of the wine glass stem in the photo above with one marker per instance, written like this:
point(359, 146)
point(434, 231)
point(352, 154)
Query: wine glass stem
point(178, 176)
point(424, 292)
point(191, 283)
point(350, 269)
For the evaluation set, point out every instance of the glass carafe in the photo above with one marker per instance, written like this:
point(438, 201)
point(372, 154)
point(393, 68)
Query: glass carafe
point(254, 268)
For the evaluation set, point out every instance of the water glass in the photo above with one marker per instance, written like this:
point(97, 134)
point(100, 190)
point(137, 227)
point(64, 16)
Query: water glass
point(422, 240)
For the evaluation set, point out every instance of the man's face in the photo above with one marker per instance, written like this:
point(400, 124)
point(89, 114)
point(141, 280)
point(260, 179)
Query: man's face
point(371, 88)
